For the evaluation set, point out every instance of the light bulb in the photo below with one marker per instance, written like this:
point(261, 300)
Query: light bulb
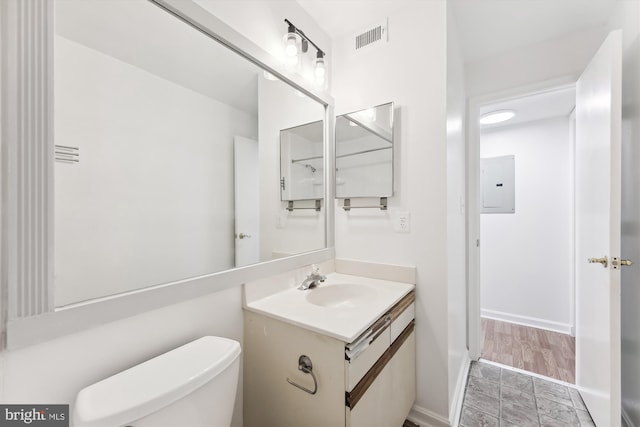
point(291, 51)
point(319, 71)
point(291, 47)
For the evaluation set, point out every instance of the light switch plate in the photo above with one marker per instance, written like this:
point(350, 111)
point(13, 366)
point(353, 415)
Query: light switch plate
point(402, 222)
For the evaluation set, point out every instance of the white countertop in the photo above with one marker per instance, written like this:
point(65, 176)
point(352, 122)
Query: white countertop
point(364, 302)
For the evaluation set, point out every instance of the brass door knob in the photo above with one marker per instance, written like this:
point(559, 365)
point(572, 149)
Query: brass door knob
point(617, 262)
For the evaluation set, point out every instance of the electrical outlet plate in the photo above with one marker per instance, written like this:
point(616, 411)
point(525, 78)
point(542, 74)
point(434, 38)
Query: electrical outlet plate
point(402, 222)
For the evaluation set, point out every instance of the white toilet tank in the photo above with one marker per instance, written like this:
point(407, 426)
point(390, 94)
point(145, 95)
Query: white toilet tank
point(190, 386)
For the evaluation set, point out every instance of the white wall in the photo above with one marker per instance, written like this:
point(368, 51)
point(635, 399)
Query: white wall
point(627, 16)
point(139, 210)
point(456, 215)
point(526, 257)
point(56, 370)
point(411, 71)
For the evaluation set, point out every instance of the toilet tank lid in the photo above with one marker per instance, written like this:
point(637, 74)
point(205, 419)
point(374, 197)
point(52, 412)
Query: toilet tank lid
point(154, 384)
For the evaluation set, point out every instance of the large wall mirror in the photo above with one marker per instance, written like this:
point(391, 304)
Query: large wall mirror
point(167, 153)
point(364, 153)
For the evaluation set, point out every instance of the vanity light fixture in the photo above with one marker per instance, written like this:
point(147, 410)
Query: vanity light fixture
point(296, 43)
point(498, 116)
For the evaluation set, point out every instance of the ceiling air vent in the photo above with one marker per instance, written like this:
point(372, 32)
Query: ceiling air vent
point(375, 34)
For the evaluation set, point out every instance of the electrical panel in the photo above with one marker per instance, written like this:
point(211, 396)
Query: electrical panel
point(498, 192)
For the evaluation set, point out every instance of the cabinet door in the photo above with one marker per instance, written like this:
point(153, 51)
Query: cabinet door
point(372, 410)
point(389, 398)
point(271, 352)
point(403, 381)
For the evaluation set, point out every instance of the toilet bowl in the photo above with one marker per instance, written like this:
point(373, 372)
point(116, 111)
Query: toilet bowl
point(190, 386)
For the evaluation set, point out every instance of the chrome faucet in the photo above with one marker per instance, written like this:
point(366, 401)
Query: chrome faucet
point(313, 279)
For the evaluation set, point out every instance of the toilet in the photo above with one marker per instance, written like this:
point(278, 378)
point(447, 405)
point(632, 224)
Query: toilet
point(190, 386)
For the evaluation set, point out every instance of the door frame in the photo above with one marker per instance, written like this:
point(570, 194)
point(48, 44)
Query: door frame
point(474, 330)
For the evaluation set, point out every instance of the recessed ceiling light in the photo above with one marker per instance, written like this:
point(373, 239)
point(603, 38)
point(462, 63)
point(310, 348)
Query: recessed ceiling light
point(497, 117)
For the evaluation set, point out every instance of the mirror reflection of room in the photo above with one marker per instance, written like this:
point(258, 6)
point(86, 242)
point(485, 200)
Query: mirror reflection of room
point(164, 152)
point(301, 162)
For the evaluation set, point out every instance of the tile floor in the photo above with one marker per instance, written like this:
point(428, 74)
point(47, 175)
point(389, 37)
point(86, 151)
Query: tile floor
point(498, 397)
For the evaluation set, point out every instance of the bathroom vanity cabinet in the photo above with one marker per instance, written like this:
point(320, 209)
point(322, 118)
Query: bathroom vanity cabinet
point(364, 383)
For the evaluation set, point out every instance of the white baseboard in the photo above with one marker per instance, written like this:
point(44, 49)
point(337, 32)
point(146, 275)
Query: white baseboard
point(563, 328)
point(458, 396)
point(425, 418)
point(626, 419)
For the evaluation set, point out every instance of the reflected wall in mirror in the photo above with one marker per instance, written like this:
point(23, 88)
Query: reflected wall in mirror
point(364, 153)
point(301, 162)
point(165, 140)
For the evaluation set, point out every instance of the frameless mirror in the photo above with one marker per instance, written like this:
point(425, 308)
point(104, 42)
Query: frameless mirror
point(166, 153)
point(364, 153)
point(301, 162)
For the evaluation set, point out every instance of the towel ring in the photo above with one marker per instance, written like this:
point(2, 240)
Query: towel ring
point(305, 365)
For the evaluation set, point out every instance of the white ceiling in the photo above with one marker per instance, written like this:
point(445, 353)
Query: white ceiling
point(145, 36)
point(490, 27)
point(486, 27)
point(557, 103)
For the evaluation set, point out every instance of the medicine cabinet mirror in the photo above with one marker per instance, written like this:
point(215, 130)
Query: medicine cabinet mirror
point(165, 153)
point(364, 153)
point(301, 162)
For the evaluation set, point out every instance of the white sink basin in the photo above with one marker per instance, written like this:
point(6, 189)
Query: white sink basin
point(341, 295)
point(342, 307)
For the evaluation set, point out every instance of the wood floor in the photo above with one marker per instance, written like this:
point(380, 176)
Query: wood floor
point(547, 353)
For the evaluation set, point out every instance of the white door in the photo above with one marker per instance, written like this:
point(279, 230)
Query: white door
point(247, 200)
point(598, 127)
